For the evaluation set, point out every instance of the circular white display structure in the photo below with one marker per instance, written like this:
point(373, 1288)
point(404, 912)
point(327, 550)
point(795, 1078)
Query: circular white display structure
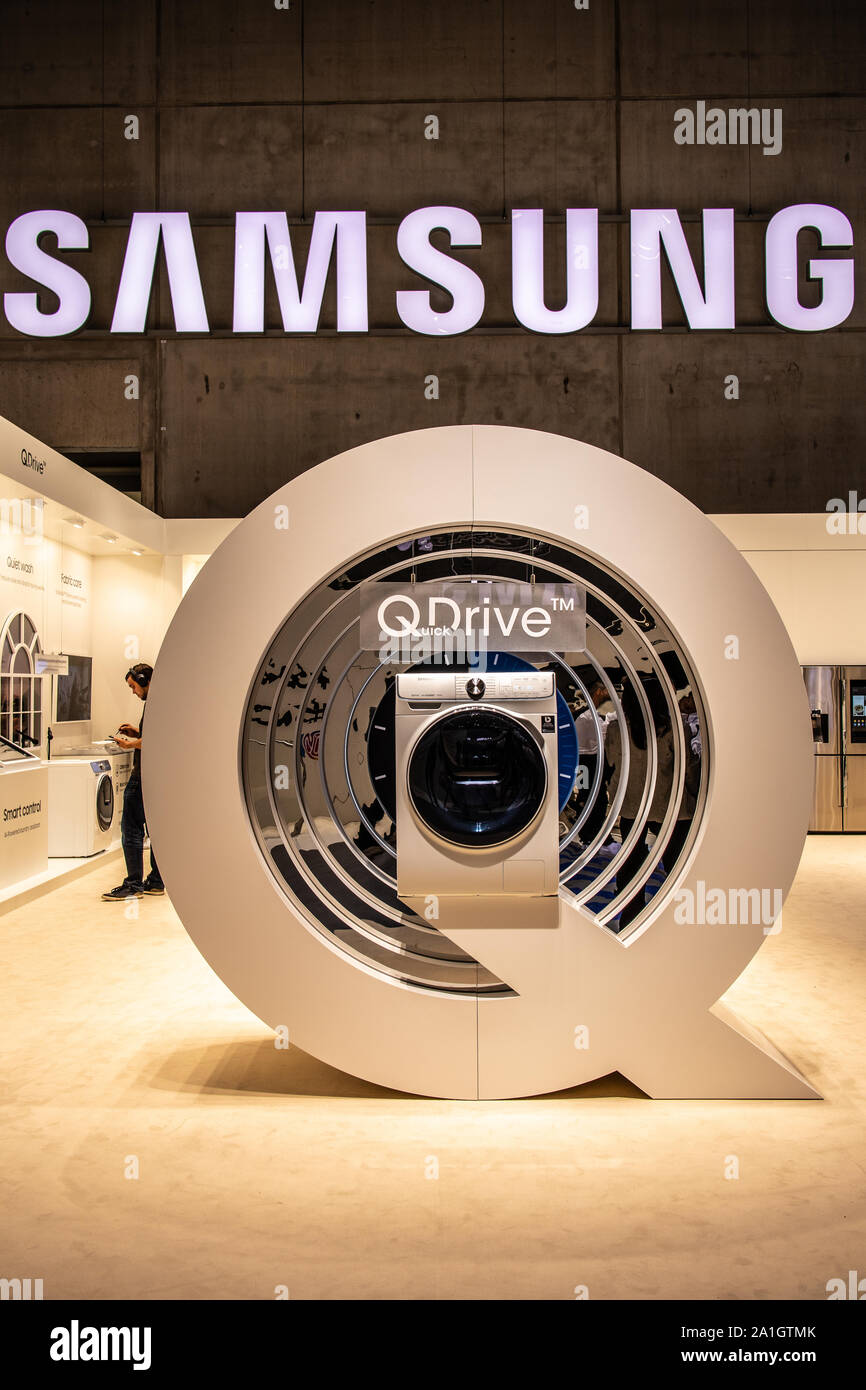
point(280, 860)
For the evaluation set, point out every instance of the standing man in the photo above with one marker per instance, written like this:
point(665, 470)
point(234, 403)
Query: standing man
point(132, 825)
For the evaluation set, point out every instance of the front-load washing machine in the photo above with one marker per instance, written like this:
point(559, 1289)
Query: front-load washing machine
point(121, 768)
point(477, 797)
point(81, 805)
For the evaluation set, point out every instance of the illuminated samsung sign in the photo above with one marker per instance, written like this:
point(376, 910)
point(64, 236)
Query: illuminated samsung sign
point(342, 236)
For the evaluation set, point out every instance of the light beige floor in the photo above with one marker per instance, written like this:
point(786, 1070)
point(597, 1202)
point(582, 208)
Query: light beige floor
point(260, 1168)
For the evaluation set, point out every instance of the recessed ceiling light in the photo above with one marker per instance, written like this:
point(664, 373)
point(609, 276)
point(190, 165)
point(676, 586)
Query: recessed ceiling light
point(109, 539)
point(137, 552)
point(75, 521)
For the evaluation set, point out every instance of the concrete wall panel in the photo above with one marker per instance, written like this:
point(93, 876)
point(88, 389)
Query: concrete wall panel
point(73, 404)
point(246, 417)
point(216, 160)
point(221, 51)
point(377, 157)
point(387, 50)
point(823, 158)
point(560, 154)
point(553, 49)
point(656, 172)
point(75, 158)
point(55, 53)
point(129, 53)
point(48, 54)
point(680, 48)
point(128, 166)
point(784, 445)
point(51, 158)
point(803, 49)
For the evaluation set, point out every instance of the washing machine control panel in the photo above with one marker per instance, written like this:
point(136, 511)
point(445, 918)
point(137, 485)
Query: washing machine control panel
point(457, 685)
point(100, 765)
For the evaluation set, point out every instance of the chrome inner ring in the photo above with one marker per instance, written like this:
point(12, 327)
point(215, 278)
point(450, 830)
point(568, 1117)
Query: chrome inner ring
point(329, 841)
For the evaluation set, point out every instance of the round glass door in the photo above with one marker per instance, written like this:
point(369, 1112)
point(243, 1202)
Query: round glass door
point(477, 777)
point(104, 803)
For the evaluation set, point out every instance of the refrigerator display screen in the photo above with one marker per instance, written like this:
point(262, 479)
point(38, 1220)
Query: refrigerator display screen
point(858, 711)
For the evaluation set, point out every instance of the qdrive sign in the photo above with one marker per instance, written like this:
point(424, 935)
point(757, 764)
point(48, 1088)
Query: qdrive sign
point(419, 621)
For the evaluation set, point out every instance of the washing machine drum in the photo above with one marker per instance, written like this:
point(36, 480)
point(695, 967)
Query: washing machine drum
point(104, 802)
point(477, 778)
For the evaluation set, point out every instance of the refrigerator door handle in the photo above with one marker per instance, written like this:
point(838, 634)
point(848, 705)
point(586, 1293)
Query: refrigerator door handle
point(843, 747)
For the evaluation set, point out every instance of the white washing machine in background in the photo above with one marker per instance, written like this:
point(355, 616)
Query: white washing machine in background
point(81, 807)
point(477, 797)
point(121, 768)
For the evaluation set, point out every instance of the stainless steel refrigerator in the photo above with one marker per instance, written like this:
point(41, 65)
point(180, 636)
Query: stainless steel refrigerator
point(837, 700)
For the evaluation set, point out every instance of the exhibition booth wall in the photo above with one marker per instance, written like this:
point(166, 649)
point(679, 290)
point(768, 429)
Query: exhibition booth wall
point(89, 575)
point(815, 573)
point(99, 575)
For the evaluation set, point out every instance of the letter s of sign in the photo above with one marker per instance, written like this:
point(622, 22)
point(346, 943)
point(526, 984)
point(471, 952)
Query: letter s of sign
point(464, 286)
point(25, 254)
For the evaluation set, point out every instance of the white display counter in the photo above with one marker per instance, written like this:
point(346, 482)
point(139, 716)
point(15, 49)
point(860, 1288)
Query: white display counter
point(23, 822)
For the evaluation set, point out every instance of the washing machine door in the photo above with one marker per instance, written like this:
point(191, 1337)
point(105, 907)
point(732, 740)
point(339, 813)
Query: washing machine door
point(104, 802)
point(477, 777)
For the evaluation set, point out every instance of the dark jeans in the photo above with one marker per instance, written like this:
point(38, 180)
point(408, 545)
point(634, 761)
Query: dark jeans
point(132, 830)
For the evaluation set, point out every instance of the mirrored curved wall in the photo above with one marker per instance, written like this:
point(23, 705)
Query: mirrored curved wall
point(317, 755)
